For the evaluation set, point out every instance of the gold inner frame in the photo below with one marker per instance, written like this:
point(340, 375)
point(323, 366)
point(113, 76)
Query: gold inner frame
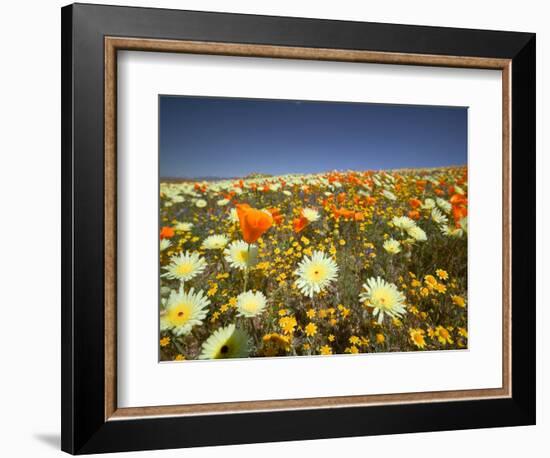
point(114, 44)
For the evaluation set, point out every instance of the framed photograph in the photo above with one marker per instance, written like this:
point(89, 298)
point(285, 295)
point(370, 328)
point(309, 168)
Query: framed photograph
point(281, 229)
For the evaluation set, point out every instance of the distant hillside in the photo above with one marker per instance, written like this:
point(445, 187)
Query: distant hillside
point(212, 178)
point(194, 179)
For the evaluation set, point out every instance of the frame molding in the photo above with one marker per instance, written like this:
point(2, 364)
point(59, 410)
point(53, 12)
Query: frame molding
point(91, 36)
point(112, 46)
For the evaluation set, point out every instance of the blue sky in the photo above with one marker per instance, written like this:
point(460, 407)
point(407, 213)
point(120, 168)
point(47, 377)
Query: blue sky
point(232, 137)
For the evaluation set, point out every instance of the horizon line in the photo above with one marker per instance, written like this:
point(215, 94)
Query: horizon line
point(247, 176)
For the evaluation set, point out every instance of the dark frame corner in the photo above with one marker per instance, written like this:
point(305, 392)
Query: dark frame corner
point(84, 425)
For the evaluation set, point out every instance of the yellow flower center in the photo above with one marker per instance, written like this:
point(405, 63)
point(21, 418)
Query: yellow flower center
point(180, 314)
point(382, 298)
point(242, 256)
point(184, 269)
point(316, 273)
point(250, 306)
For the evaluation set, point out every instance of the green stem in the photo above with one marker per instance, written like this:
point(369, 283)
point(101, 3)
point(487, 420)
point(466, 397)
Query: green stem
point(178, 346)
point(222, 261)
point(246, 268)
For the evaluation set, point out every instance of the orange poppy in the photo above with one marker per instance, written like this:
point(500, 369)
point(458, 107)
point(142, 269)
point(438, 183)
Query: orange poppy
point(370, 200)
point(414, 214)
point(348, 213)
point(421, 184)
point(415, 203)
point(353, 180)
point(459, 212)
point(458, 199)
point(254, 223)
point(166, 232)
point(276, 215)
point(337, 212)
point(300, 223)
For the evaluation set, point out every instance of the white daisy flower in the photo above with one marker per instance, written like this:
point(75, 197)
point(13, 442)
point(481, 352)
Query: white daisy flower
point(241, 255)
point(184, 266)
point(201, 203)
point(451, 232)
point(428, 204)
point(417, 233)
point(183, 311)
point(183, 227)
point(384, 297)
point(315, 273)
point(438, 217)
point(403, 222)
point(310, 214)
point(215, 242)
point(444, 205)
point(233, 216)
point(392, 246)
point(164, 244)
point(250, 304)
point(222, 202)
point(227, 342)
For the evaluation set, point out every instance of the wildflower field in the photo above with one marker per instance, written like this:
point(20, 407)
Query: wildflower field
point(320, 264)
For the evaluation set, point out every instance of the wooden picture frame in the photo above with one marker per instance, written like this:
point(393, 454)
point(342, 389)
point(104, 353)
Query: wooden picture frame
point(91, 37)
